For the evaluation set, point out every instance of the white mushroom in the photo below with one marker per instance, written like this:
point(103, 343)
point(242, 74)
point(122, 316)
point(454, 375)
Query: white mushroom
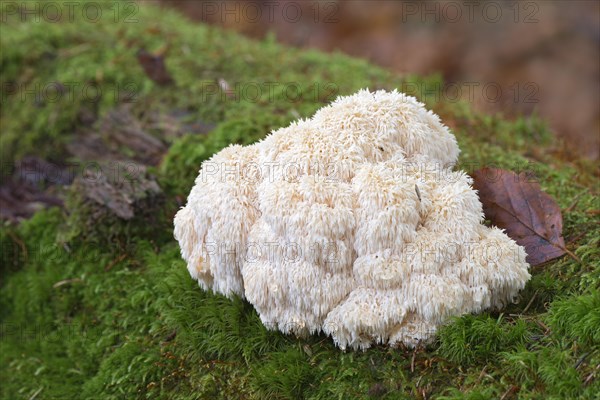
point(352, 223)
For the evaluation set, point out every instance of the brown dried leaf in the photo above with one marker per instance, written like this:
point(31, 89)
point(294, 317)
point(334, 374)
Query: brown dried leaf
point(154, 67)
point(517, 204)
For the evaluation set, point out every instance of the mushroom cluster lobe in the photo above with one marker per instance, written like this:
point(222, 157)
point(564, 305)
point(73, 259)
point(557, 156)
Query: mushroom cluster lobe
point(353, 223)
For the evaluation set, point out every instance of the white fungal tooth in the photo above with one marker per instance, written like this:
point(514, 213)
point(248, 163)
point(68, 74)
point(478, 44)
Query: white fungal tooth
point(351, 223)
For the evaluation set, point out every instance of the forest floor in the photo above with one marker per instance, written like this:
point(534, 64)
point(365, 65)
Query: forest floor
point(100, 146)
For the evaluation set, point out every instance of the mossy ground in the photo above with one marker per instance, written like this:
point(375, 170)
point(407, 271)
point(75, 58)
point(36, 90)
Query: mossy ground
point(121, 318)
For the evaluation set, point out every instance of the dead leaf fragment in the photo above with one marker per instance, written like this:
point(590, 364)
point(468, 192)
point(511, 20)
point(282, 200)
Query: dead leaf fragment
point(154, 67)
point(517, 204)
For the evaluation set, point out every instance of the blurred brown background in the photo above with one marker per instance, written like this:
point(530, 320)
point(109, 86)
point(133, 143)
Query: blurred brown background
point(512, 57)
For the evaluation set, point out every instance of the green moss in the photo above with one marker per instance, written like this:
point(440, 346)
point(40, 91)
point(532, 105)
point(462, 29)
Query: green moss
point(12, 252)
point(93, 306)
point(479, 338)
point(577, 317)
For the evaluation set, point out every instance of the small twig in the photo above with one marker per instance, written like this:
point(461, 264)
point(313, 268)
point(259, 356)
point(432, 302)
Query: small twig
point(213, 362)
point(506, 393)
point(591, 376)
point(589, 379)
point(412, 362)
point(569, 252)
point(65, 281)
point(510, 390)
point(542, 325)
point(115, 261)
point(581, 359)
point(575, 201)
point(171, 336)
point(481, 374)
point(20, 243)
point(530, 302)
point(33, 396)
point(73, 51)
point(576, 238)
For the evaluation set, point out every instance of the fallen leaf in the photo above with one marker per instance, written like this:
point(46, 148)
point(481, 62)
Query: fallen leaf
point(154, 67)
point(530, 217)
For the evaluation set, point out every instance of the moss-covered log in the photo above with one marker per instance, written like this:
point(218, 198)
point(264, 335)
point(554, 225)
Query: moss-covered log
point(97, 304)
